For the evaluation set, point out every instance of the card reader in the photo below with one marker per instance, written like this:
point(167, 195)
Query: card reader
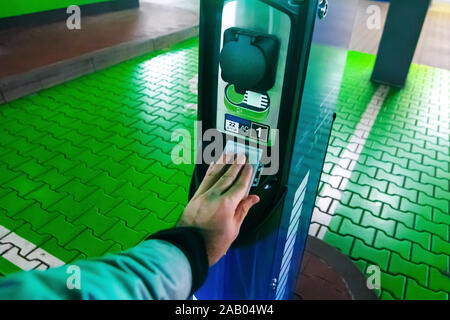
point(253, 155)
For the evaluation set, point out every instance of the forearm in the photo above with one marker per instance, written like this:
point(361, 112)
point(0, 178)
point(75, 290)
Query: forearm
point(155, 269)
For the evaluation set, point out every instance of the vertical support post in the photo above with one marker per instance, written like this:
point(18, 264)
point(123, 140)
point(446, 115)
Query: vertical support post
point(401, 33)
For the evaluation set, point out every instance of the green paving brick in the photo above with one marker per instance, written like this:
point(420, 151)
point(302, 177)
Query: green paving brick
point(411, 157)
point(132, 194)
point(22, 185)
point(392, 200)
point(139, 148)
point(41, 154)
point(50, 142)
point(124, 235)
point(7, 174)
point(416, 292)
point(441, 230)
point(105, 182)
point(402, 247)
point(395, 284)
point(141, 137)
point(408, 174)
point(62, 230)
point(441, 204)
point(412, 183)
point(406, 218)
point(139, 163)
point(114, 153)
point(415, 143)
point(439, 281)
point(156, 204)
point(61, 162)
point(70, 208)
point(361, 190)
point(175, 214)
point(128, 213)
point(378, 144)
point(343, 243)
point(384, 167)
point(374, 256)
point(369, 220)
point(95, 221)
point(361, 265)
point(443, 174)
point(33, 169)
point(420, 210)
point(405, 233)
point(179, 195)
point(164, 190)
point(438, 245)
point(440, 217)
point(90, 245)
point(102, 201)
point(9, 223)
point(443, 196)
point(162, 172)
point(418, 272)
point(46, 196)
point(420, 255)
point(7, 267)
point(387, 296)
point(441, 183)
point(364, 179)
point(436, 163)
point(137, 179)
point(114, 169)
point(364, 233)
point(90, 159)
point(4, 192)
point(26, 231)
point(12, 203)
point(36, 216)
point(383, 174)
point(432, 148)
point(373, 207)
point(81, 171)
point(397, 161)
point(393, 189)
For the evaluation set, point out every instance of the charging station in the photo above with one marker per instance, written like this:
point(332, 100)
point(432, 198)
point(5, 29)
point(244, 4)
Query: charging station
point(269, 78)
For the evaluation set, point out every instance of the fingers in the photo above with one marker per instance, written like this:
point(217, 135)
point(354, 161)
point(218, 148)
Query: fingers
point(239, 189)
point(244, 207)
point(215, 171)
point(229, 177)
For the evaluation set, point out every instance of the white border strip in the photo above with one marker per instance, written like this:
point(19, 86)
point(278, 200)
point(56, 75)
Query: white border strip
point(332, 191)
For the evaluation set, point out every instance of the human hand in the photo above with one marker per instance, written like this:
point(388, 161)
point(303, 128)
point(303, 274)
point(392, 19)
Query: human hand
point(220, 204)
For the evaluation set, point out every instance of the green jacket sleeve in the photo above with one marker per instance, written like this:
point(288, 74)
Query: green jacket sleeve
point(172, 264)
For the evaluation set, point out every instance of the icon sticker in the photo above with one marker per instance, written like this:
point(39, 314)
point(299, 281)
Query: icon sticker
point(259, 131)
point(232, 126)
point(246, 128)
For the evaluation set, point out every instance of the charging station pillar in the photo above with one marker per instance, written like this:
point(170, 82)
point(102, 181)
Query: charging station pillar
point(269, 78)
point(398, 44)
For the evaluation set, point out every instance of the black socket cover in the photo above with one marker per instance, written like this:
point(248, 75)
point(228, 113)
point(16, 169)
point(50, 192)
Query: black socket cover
point(248, 60)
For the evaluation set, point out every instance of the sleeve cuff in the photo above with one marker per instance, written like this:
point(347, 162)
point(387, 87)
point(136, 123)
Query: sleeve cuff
point(191, 242)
